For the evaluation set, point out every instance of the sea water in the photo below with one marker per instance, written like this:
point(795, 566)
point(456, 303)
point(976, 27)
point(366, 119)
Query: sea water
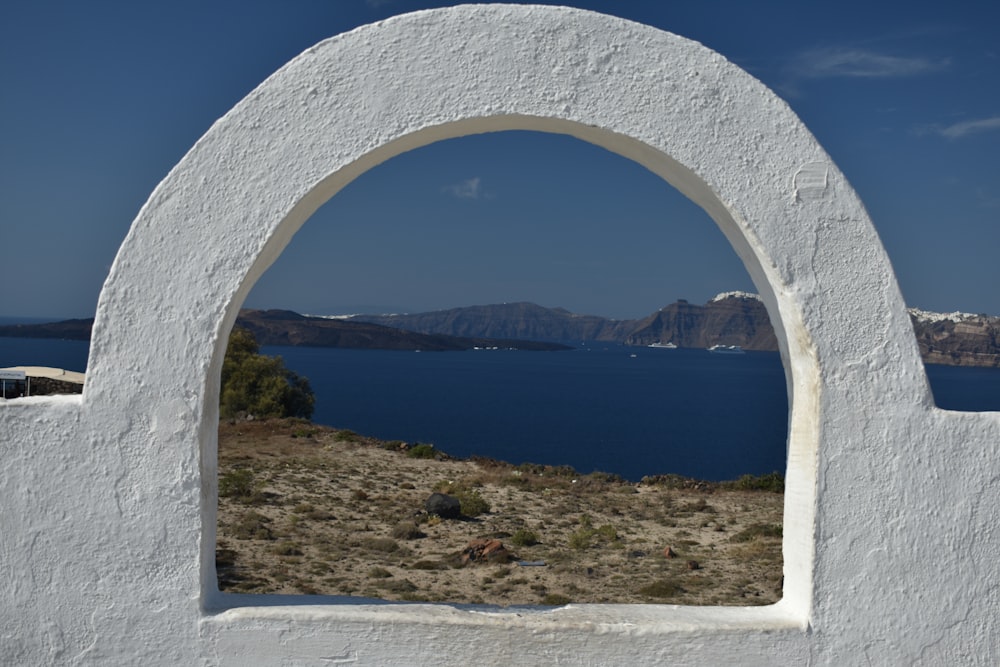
point(630, 411)
point(625, 410)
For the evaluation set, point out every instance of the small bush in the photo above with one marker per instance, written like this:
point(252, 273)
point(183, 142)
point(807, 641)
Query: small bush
point(758, 531)
point(443, 486)
point(383, 544)
point(240, 485)
point(346, 435)
point(555, 600)
point(397, 586)
point(773, 482)
point(422, 451)
point(700, 505)
point(473, 504)
point(524, 538)
point(430, 565)
point(287, 549)
point(607, 533)
point(663, 588)
point(379, 573)
point(580, 539)
point(407, 530)
point(237, 483)
point(252, 526)
point(586, 534)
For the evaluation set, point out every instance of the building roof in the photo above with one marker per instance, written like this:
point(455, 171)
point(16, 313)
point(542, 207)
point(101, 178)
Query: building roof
point(49, 373)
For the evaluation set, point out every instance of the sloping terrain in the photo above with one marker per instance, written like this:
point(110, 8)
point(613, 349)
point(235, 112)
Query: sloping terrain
point(307, 509)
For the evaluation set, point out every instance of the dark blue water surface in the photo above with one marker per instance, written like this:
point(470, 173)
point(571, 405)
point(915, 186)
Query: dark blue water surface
point(68, 354)
point(594, 408)
point(683, 411)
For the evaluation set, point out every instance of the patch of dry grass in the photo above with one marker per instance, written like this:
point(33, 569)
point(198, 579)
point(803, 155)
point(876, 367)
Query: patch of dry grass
point(316, 510)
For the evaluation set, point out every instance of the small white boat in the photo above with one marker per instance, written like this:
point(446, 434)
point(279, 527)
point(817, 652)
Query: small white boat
point(663, 346)
point(726, 349)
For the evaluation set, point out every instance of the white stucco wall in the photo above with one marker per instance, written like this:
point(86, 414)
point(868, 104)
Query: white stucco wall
point(108, 518)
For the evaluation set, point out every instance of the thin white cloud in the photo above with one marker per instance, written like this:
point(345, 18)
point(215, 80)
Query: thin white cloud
point(971, 127)
point(468, 189)
point(846, 62)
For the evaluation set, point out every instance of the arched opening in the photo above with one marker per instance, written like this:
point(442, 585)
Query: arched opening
point(334, 524)
point(606, 140)
point(231, 206)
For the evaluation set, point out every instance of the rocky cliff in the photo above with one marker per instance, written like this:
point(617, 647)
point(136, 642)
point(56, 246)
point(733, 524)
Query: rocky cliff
point(730, 319)
point(733, 318)
point(957, 339)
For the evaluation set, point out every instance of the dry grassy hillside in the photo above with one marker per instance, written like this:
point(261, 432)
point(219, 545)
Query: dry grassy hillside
point(308, 509)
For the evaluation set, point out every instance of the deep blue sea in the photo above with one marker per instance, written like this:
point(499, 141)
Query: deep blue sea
point(594, 408)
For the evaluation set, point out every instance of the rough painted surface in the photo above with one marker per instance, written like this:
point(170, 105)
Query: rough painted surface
point(108, 520)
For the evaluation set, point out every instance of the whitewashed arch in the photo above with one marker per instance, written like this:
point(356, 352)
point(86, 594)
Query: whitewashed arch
point(864, 433)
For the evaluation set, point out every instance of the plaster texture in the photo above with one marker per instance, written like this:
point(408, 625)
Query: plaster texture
point(108, 519)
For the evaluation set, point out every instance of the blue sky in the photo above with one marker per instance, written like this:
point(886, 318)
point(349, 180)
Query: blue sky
point(100, 100)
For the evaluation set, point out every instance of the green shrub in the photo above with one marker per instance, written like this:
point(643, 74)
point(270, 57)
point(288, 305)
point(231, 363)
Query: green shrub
point(524, 538)
point(240, 485)
point(473, 504)
point(252, 526)
point(586, 534)
point(406, 530)
point(383, 544)
point(259, 386)
point(422, 451)
point(758, 531)
point(398, 586)
point(580, 539)
point(773, 482)
point(430, 565)
point(662, 588)
point(287, 548)
point(555, 600)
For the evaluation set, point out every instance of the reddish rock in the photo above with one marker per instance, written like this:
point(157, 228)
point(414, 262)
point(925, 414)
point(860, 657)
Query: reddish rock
point(485, 551)
point(669, 553)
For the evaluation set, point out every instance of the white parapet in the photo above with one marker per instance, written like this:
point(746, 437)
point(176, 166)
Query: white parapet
point(108, 526)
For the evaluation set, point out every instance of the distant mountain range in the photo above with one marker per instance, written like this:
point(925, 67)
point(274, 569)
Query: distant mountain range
point(731, 318)
point(284, 327)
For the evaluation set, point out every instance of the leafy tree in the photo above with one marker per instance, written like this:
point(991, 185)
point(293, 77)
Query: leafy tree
point(259, 386)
